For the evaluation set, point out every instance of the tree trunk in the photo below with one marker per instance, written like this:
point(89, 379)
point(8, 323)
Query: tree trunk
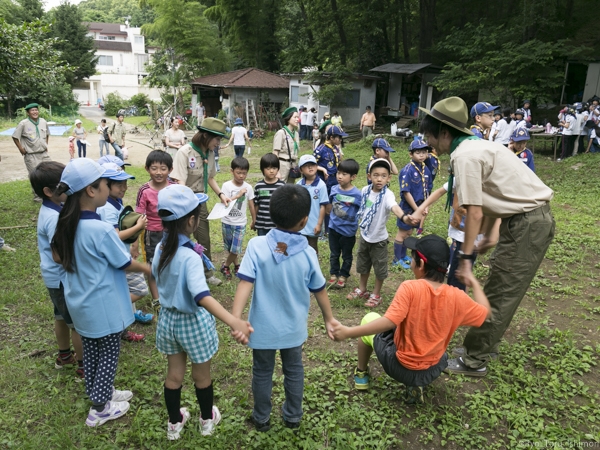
point(309, 34)
point(340, 27)
point(405, 11)
point(427, 29)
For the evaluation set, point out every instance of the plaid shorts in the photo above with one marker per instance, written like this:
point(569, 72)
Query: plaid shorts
point(233, 238)
point(137, 283)
point(194, 334)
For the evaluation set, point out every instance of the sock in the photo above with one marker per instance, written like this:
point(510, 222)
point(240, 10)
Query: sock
point(64, 354)
point(80, 363)
point(403, 252)
point(173, 402)
point(99, 408)
point(398, 246)
point(205, 400)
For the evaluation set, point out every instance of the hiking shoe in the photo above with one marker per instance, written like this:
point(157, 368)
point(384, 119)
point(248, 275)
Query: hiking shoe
point(112, 410)
point(173, 430)
point(261, 427)
point(460, 352)
point(236, 269)
point(373, 301)
point(332, 279)
point(292, 425)
point(207, 426)
point(361, 379)
point(80, 374)
point(457, 366)
point(341, 283)
point(143, 318)
point(130, 336)
point(414, 395)
point(67, 362)
point(214, 281)
point(121, 396)
point(226, 271)
point(356, 294)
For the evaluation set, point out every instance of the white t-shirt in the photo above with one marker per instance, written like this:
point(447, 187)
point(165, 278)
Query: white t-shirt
point(504, 132)
point(378, 230)
point(237, 215)
point(569, 129)
point(304, 118)
point(239, 135)
point(310, 119)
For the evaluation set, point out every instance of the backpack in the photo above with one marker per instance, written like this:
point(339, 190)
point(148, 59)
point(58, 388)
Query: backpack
point(105, 134)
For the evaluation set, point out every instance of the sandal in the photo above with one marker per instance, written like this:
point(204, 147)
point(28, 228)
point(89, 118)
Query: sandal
point(332, 279)
point(374, 301)
point(357, 293)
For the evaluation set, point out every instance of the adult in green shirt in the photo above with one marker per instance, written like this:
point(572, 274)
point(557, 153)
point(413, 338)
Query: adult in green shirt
point(117, 134)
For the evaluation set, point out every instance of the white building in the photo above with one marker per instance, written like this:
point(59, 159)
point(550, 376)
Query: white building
point(121, 67)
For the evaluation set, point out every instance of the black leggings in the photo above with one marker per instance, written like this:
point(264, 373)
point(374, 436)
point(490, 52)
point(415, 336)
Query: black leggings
point(568, 143)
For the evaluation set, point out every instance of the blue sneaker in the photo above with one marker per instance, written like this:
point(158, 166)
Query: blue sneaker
point(405, 262)
point(361, 379)
point(143, 318)
point(397, 263)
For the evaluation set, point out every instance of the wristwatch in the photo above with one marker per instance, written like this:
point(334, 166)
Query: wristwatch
point(462, 255)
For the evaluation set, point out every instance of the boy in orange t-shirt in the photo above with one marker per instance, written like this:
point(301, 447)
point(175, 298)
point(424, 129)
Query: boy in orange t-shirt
point(410, 340)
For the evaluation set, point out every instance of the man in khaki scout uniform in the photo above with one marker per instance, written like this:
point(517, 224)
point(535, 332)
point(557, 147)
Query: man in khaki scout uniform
point(117, 134)
point(31, 138)
point(492, 184)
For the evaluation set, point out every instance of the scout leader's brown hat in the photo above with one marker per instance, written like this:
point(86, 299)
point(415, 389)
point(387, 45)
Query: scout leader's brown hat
point(453, 112)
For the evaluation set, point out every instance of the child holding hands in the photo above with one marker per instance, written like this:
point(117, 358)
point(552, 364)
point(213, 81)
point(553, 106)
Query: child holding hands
point(410, 340)
point(186, 324)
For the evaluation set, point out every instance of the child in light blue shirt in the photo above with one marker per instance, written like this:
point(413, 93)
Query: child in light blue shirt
point(280, 270)
point(319, 199)
point(44, 179)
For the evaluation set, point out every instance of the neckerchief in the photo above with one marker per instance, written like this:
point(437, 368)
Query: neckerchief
point(422, 173)
point(335, 153)
point(455, 143)
point(204, 166)
point(37, 130)
point(292, 135)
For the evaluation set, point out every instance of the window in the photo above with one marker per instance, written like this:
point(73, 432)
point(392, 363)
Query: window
point(348, 99)
point(105, 60)
point(294, 91)
point(138, 39)
point(106, 38)
point(142, 60)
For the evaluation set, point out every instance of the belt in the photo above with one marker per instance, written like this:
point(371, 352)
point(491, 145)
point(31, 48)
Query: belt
point(287, 160)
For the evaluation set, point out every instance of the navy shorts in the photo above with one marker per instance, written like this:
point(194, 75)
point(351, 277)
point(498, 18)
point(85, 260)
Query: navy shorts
point(61, 312)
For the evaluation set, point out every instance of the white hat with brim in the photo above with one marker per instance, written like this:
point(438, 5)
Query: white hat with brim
point(451, 111)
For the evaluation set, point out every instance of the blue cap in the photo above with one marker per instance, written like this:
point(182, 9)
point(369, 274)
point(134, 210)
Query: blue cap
point(179, 200)
point(115, 173)
point(383, 144)
point(80, 173)
point(336, 131)
point(305, 159)
point(112, 159)
point(418, 144)
point(238, 121)
point(480, 108)
point(520, 134)
point(520, 111)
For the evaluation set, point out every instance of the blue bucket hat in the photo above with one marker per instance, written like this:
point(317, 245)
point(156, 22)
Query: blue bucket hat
point(238, 121)
point(520, 134)
point(336, 131)
point(179, 200)
point(80, 173)
point(112, 159)
point(116, 173)
point(383, 144)
point(418, 144)
point(480, 108)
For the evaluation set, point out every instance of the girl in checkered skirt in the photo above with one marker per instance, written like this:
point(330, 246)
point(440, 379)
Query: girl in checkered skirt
point(186, 323)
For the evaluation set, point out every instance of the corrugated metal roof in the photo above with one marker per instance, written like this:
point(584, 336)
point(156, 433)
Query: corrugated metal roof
point(400, 68)
point(251, 78)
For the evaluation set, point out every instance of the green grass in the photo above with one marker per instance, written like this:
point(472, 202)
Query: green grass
point(137, 120)
point(543, 391)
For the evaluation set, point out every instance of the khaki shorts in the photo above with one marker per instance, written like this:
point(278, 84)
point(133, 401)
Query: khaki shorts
point(372, 255)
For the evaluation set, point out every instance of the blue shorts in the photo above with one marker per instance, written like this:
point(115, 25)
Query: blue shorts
point(61, 312)
point(233, 237)
point(194, 334)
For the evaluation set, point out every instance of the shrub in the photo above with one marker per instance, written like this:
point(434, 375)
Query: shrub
point(114, 102)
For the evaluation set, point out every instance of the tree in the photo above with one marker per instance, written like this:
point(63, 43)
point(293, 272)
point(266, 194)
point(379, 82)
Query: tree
point(116, 11)
point(31, 68)
point(76, 46)
point(32, 10)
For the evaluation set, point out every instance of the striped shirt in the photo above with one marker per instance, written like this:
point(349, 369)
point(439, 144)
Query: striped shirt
point(147, 203)
point(262, 197)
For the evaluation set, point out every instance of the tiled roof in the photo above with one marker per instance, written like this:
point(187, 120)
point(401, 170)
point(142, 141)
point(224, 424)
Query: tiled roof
point(252, 78)
point(113, 45)
point(113, 29)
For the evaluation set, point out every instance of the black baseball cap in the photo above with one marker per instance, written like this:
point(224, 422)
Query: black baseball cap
point(432, 249)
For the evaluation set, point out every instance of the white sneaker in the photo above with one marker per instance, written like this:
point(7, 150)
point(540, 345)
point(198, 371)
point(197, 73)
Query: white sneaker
point(207, 426)
point(173, 430)
point(121, 396)
point(214, 281)
point(112, 410)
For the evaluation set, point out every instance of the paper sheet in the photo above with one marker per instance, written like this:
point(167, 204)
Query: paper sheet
point(220, 210)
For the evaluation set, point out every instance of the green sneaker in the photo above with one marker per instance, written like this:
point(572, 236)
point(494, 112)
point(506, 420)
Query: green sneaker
point(414, 395)
point(361, 379)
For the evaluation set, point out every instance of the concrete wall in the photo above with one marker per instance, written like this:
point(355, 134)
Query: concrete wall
point(592, 81)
